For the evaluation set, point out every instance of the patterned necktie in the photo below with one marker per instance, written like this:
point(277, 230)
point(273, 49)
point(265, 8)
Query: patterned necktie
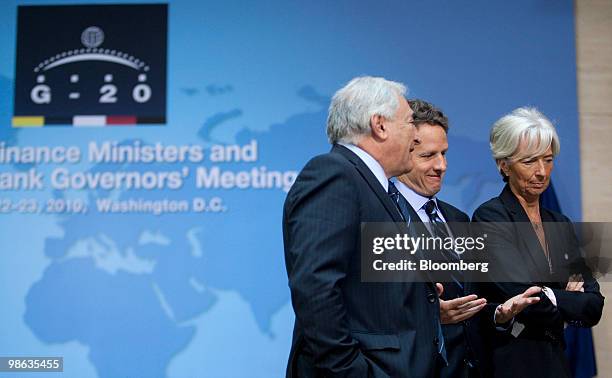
point(402, 206)
point(437, 225)
point(438, 229)
point(400, 202)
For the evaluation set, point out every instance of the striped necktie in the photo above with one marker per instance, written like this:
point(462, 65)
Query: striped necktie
point(399, 201)
point(438, 229)
point(402, 206)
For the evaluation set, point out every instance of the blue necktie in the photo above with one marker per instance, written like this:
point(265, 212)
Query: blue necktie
point(402, 206)
point(438, 229)
point(400, 202)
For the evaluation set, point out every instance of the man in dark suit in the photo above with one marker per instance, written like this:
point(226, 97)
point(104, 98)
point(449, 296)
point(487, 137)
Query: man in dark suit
point(345, 327)
point(419, 187)
point(458, 305)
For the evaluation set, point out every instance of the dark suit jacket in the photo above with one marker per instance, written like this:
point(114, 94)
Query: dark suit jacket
point(463, 341)
point(513, 246)
point(345, 327)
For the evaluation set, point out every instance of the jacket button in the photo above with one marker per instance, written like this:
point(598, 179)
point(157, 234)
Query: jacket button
point(431, 297)
point(436, 341)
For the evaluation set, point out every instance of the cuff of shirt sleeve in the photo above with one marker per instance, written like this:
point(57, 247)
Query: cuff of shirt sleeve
point(550, 294)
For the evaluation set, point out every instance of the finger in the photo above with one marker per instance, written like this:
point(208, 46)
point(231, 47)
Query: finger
point(472, 304)
point(462, 300)
point(475, 309)
point(468, 314)
point(532, 300)
point(532, 291)
point(520, 305)
point(576, 285)
point(524, 302)
point(439, 288)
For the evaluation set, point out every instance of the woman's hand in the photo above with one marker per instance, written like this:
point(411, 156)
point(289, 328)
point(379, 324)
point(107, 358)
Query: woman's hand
point(513, 306)
point(575, 283)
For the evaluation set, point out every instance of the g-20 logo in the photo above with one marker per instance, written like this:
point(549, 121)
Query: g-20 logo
point(91, 65)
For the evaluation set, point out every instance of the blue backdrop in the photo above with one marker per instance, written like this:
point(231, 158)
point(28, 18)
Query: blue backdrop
point(203, 291)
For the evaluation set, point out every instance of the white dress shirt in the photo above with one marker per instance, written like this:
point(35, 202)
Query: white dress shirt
point(372, 163)
point(418, 201)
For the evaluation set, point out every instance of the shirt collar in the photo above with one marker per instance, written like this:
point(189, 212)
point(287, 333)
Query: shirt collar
point(415, 200)
point(368, 160)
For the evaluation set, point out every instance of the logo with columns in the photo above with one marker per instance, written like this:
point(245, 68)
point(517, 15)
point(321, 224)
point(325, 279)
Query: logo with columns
point(116, 75)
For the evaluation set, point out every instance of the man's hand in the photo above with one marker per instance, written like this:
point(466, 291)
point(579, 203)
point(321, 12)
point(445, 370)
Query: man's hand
point(457, 310)
point(575, 283)
point(513, 306)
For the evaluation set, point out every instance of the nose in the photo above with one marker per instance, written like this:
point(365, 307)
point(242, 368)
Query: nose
point(540, 170)
point(440, 165)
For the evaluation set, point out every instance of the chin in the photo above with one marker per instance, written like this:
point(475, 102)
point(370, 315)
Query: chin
point(537, 192)
point(434, 191)
point(431, 193)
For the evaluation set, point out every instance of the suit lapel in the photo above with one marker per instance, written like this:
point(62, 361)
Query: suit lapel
point(384, 198)
point(371, 180)
point(453, 221)
point(526, 233)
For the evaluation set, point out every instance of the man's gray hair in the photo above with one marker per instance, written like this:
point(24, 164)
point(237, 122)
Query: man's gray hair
point(353, 105)
point(526, 124)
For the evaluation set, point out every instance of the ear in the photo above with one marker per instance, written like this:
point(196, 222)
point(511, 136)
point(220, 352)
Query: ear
point(504, 167)
point(378, 127)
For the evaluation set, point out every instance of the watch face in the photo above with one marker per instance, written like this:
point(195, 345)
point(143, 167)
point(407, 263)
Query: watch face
point(91, 65)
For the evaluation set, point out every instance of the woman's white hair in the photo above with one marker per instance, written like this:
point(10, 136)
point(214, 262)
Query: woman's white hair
point(353, 105)
point(523, 125)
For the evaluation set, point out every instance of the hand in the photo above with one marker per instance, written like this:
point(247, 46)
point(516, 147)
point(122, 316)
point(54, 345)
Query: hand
point(575, 283)
point(513, 306)
point(457, 310)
